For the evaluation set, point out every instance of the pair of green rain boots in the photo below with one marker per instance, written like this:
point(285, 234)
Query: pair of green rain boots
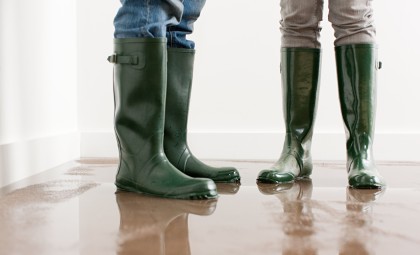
point(356, 71)
point(152, 86)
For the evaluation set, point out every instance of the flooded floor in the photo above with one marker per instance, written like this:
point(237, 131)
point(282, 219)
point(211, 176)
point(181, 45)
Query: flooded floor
point(75, 209)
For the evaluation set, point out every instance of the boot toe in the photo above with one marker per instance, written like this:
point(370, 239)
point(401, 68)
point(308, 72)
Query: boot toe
point(227, 175)
point(199, 188)
point(365, 181)
point(196, 168)
point(270, 176)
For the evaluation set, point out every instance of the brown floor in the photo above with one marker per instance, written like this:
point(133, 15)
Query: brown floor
point(76, 210)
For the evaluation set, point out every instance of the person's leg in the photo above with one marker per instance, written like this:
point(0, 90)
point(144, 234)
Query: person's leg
point(352, 21)
point(300, 70)
point(149, 19)
point(357, 64)
point(300, 23)
point(177, 34)
point(180, 75)
point(140, 81)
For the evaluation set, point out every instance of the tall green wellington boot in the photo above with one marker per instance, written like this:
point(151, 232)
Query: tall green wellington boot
point(356, 72)
point(139, 93)
point(180, 75)
point(300, 78)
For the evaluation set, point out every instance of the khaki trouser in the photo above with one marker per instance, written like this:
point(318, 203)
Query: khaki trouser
point(352, 21)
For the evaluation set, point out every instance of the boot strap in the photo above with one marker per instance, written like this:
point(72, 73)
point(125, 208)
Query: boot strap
point(120, 59)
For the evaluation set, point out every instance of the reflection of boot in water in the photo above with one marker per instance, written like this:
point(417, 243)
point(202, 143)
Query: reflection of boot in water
point(228, 188)
point(151, 225)
point(358, 221)
point(272, 189)
point(297, 219)
point(361, 200)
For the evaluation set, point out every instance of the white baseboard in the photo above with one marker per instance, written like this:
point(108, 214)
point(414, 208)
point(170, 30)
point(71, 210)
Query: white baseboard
point(25, 158)
point(265, 145)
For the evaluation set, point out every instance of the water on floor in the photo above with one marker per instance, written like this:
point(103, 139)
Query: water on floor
point(77, 210)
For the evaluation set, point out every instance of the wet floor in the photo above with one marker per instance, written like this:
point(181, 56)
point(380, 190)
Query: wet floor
point(75, 209)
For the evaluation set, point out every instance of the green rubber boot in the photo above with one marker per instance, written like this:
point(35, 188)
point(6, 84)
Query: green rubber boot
point(356, 72)
point(300, 78)
point(180, 75)
point(139, 94)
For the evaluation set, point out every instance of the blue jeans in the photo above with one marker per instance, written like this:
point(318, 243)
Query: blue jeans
point(173, 19)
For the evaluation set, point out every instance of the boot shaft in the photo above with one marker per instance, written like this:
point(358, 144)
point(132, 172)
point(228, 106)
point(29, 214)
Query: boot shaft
point(140, 93)
point(300, 74)
point(356, 72)
point(180, 77)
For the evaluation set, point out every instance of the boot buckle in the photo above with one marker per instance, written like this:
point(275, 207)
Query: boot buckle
point(112, 58)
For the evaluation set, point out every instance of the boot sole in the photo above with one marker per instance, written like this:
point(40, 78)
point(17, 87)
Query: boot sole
point(196, 196)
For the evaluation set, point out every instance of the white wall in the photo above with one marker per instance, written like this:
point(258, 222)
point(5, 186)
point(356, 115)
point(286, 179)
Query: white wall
point(38, 92)
point(235, 109)
point(96, 105)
